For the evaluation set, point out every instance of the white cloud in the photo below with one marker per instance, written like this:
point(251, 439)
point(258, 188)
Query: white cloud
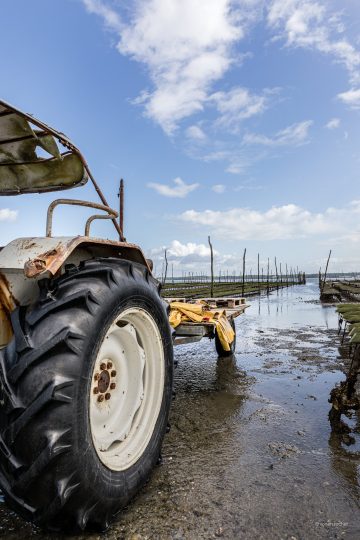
point(294, 135)
point(111, 18)
point(334, 123)
point(177, 249)
point(195, 133)
point(8, 215)
point(237, 159)
point(351, 98)
point(179, 254)
point(308, 24)
point(236, 105)
point(186, 47)
point(237, 165)
point(218, 188)
point(180, 188)
point(277, 223)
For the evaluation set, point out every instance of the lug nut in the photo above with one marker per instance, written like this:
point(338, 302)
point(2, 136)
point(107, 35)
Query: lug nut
point(112, 386)
point(113, 373)
point(96, 390)
point(109, 365)
point(101, 398)
point(107, 396)
point(97, 376)
point(103, 366)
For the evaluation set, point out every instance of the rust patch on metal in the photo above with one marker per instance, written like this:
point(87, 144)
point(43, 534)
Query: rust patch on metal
point(7, 305)
point(45, 261)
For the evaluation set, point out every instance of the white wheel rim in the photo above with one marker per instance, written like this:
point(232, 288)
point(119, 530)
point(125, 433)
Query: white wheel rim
point(127, 389)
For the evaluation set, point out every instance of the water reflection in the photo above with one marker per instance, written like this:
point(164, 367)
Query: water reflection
point(297, 305)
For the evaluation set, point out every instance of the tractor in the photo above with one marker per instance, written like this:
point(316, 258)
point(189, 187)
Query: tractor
point(86, 349)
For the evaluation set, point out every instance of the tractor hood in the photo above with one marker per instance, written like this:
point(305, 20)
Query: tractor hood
point(31, 160)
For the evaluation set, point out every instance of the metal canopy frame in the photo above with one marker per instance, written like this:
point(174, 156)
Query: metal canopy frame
point(67, 143)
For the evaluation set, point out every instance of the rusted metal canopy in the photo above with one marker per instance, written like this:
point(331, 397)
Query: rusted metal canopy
point(31, 160)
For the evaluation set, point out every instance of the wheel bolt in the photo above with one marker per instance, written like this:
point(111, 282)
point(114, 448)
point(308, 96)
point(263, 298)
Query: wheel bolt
point(103, 366)
point(113, 373)
point(96, 390)
point(97, 376)
point(107, 396)
point(109, 365)
point(101, 398)
point(112, 386)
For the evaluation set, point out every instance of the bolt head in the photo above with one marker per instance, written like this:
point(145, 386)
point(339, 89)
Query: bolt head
point(109, 365)
point(107, 396)
point(100, 398)
point(112, 386)
point(96, 390)
point(103, 366)
point(113, 373)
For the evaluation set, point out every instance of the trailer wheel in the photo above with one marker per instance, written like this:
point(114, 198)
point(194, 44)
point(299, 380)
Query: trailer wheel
point(86, 386)
point(222, 353)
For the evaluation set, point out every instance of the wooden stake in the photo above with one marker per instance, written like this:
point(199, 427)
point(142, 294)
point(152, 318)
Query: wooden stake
point(243, 276)
point(326, 269)
point(212, 268)
point(166, 267)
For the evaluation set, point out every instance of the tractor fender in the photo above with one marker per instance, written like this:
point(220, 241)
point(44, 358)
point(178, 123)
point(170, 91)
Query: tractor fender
point(24, 261)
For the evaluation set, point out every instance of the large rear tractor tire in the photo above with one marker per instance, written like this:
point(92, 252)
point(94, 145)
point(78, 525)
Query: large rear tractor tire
point(85, 392)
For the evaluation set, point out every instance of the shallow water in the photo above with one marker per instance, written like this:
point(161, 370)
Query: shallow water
point(250, 453)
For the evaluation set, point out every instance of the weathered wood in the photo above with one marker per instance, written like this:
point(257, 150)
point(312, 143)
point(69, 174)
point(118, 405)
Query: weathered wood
point(166, 266)
point(212, 266)
point(183, 340)
point(243, 276)
point(190, 330)
point(326, 269)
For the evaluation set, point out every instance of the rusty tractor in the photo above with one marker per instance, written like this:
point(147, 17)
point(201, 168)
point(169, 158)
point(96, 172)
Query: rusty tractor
point(86, 351)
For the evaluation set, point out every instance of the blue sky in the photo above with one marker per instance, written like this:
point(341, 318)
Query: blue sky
point(235, 118)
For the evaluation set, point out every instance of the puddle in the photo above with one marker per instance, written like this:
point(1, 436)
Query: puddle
point(250, 453)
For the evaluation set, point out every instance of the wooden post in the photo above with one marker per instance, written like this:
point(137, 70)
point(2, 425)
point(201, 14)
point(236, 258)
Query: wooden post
point(268, 270)
point(166, 267)
point(259, 272)
point(243, 276)
point(287, 279)
point(212, 268)
point(326, 269)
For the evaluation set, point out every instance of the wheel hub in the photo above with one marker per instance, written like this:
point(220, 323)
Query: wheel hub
point(127, 388)
point(104, 381)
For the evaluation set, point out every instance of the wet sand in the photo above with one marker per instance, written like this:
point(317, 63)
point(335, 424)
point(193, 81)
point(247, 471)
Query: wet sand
point(250, 453)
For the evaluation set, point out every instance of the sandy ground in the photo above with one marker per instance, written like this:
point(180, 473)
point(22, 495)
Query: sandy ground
point(250, 453)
